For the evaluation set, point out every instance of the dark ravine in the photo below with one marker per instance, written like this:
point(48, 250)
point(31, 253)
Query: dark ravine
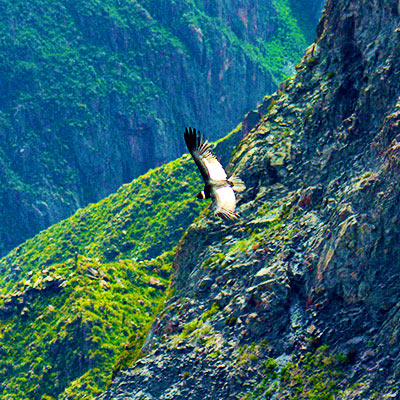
point(301, 298)
point(92, 94)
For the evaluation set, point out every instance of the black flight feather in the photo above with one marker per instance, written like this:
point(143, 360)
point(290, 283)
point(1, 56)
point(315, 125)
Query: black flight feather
point(217, 185)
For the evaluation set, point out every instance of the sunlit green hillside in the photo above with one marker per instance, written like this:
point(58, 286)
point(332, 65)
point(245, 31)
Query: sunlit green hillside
point(75, 293)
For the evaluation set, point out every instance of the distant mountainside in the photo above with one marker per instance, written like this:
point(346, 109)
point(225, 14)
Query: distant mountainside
point(94, 93)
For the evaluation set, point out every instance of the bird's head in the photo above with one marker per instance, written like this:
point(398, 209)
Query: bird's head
point(201, 195)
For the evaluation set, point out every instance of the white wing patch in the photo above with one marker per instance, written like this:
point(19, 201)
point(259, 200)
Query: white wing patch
point(215, 170)
point(225, 199)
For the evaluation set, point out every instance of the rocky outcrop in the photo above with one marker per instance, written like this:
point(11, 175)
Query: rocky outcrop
point(93, 95)
point(300, 298)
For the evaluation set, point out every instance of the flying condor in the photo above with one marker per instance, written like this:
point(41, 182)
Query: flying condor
point(218, 186)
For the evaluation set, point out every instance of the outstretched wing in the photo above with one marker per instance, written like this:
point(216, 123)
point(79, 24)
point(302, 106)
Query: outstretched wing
point(225, 202)
point(210, 168)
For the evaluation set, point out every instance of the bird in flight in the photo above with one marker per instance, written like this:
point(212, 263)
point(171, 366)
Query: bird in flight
point(217, 185)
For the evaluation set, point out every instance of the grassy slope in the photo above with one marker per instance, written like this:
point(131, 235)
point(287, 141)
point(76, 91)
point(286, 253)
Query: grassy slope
point(72, 296)
point(289, 39)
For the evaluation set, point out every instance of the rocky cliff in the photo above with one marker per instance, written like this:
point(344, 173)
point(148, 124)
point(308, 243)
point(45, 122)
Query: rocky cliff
point(300, 298)
point(92, 94)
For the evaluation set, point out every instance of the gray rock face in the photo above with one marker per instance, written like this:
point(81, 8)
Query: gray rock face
point(94, 95)
point(301, 296)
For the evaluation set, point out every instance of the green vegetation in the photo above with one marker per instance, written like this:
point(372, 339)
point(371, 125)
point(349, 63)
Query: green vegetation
point(77, 293)
point(305, 18)
point(82, 83)
point(314, 376)
point(191, 327)
point(268, 224)
point(211, 312)
point(141, 220)
point(247, 354)
point(67, 335)
point(292, 30)
point(288, 38)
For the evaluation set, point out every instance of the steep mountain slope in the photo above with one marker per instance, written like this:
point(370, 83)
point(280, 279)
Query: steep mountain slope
point(300, 299)
point(93, 93)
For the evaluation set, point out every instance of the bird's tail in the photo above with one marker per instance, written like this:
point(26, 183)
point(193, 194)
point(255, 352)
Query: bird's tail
point(236, 183)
